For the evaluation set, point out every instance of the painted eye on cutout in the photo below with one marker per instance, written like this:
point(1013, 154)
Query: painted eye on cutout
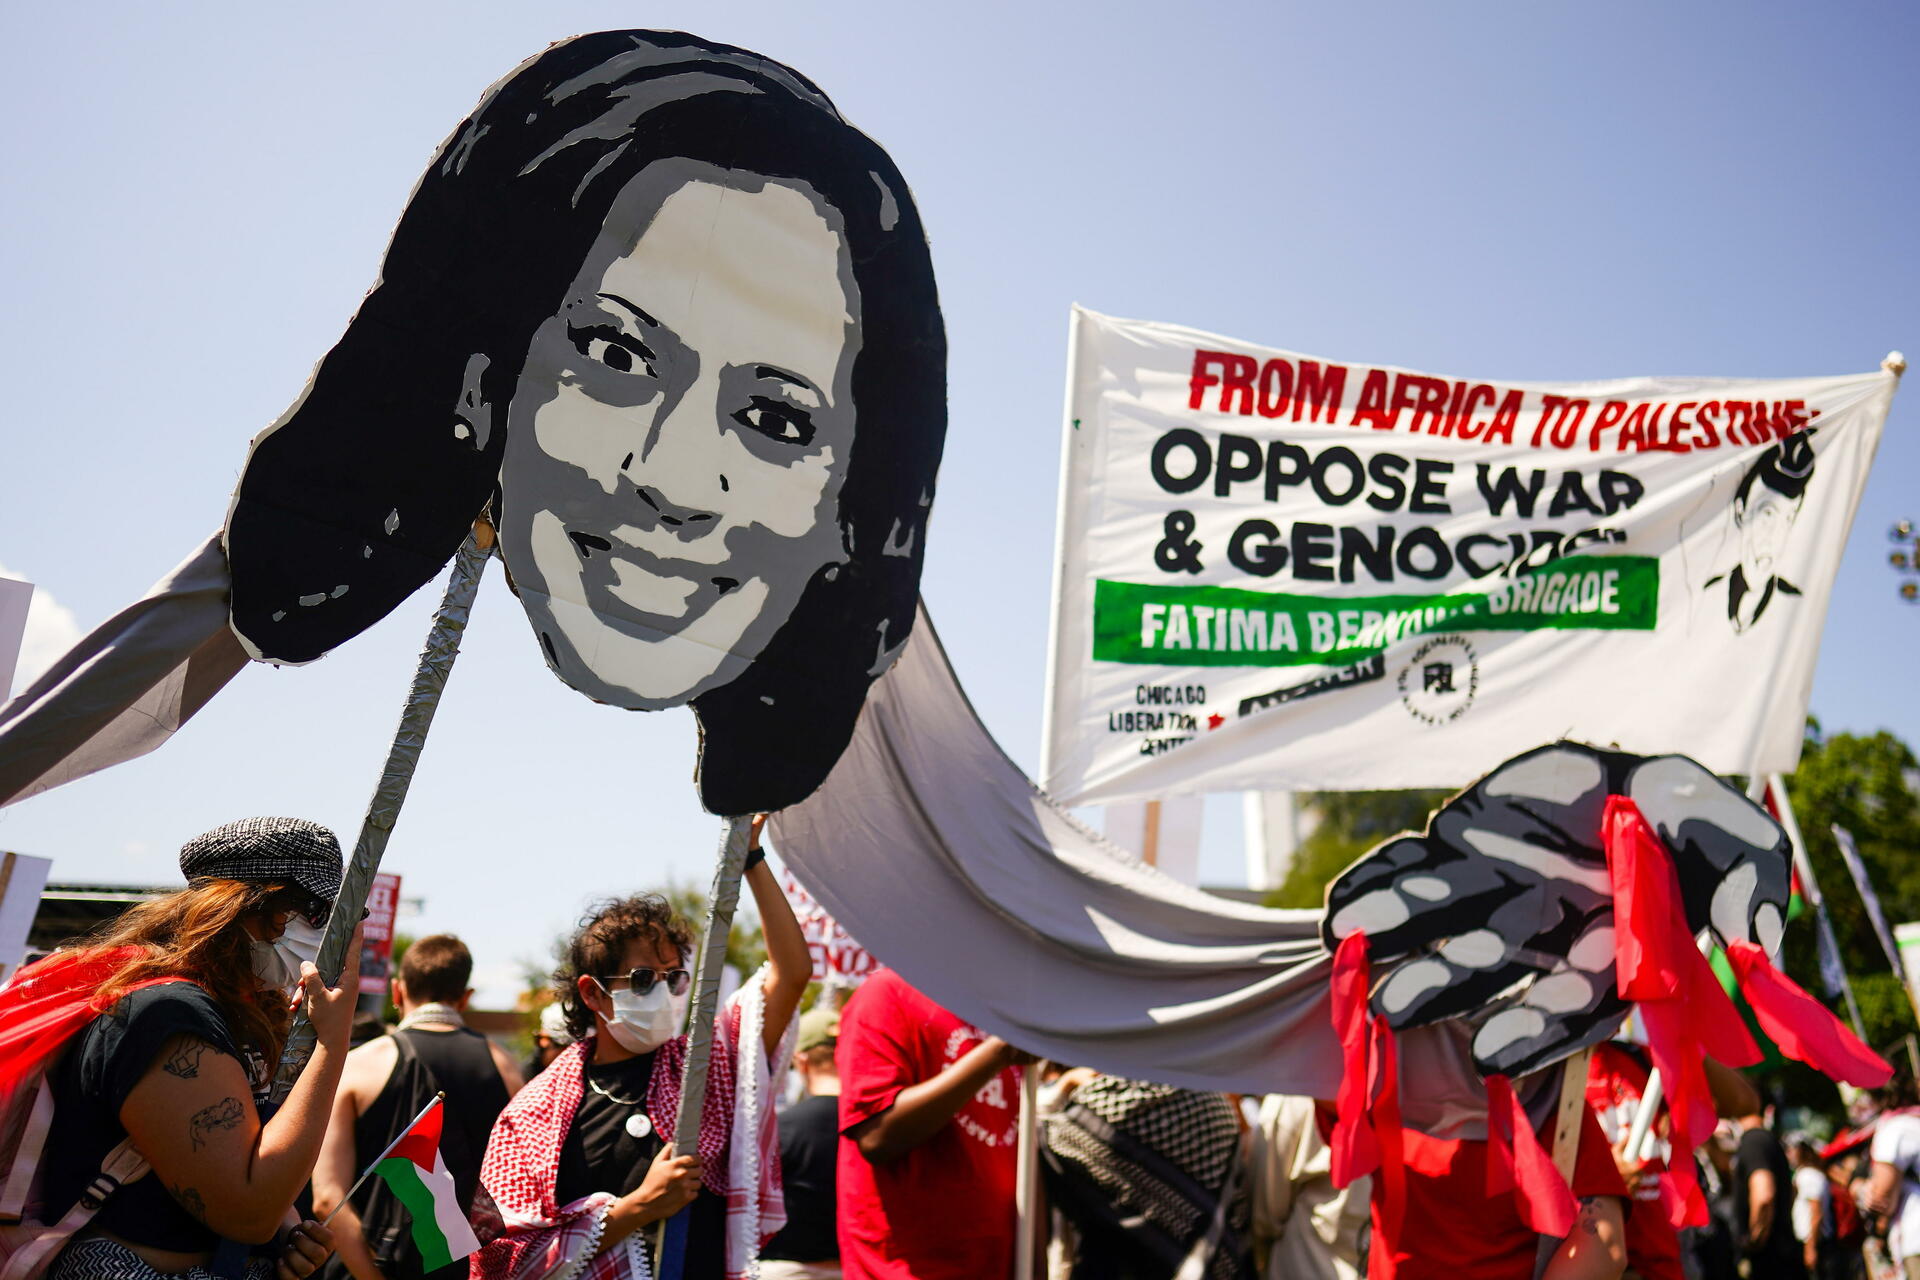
point(776, 421)
point(610, 348)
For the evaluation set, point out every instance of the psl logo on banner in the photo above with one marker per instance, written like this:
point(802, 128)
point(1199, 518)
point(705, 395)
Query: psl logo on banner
point(1282, 571)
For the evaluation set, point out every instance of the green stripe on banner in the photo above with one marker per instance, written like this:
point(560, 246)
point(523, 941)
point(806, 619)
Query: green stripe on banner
point(1172, 625)
point(403, 1176)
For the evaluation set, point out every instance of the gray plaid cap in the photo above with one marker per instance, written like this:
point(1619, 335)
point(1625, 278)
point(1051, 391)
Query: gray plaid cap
point(267, 851)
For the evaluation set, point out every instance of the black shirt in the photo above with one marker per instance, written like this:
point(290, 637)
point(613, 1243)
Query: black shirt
point(600, 1153)
point(90, 1084)
point(1780, 1257)
point(459, 1063)
point(809, 1146)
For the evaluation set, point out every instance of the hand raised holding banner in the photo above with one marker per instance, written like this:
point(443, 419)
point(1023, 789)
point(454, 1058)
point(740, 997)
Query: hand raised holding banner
point(1502, 913)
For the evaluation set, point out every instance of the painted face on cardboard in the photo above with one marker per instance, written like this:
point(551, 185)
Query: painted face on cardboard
point(680, 433)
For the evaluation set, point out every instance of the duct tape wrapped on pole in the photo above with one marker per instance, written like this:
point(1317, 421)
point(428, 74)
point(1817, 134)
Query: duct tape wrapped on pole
point(423, 698)
point(671, 1246)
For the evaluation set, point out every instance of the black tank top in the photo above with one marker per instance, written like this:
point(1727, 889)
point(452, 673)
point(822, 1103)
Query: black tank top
point(459, 1063)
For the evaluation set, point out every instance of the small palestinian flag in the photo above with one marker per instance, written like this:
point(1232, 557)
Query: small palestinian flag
point(414, 1170)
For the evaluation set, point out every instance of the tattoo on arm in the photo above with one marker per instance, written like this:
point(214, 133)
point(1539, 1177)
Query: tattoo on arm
point(184, 1061)
point(223, 1114)
point(1590, 1215)
point(190, 1200)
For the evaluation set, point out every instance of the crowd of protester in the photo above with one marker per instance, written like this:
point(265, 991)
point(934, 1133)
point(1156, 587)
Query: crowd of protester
point(892, 1158)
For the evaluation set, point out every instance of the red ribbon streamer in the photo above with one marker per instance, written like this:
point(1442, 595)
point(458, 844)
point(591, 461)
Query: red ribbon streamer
point(1516, 1161)
point(1355, 1149)
point(1805, 1029)
point(1684, 1009)
point(1392, 1182)
point(1366, 1132)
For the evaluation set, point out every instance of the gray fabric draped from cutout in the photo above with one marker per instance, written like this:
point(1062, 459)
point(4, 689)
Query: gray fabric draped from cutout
point(125, 688)
point(934, 850)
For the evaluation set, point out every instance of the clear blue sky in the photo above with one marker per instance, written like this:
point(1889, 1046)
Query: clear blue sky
point(197, 196)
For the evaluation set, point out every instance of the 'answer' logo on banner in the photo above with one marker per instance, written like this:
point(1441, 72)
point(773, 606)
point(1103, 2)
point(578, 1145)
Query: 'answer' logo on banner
point(1281, 571)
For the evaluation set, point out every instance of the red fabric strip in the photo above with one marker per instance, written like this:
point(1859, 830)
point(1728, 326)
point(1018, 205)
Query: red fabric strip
point(1646, 901)
point(1385, 1113)
point(1805, 1029)
point(1516, 1160)
point(421, 1144)
point(1681, 1003)
point(1355, 1150)
point(51, 1000)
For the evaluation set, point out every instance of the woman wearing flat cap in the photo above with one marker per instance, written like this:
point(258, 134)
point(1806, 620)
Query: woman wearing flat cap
point(171, 1019)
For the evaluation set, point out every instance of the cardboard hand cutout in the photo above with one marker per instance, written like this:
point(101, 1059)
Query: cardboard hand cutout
point(676, 320)
point(1502, 912)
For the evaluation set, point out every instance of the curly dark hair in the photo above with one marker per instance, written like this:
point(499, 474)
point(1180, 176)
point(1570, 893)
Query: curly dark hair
point(600, 940)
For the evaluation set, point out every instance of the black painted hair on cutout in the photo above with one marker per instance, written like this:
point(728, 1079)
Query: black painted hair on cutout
point(366, 487)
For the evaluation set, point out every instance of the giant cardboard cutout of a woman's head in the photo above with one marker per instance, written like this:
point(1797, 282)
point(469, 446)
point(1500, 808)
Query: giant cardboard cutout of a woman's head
point(676, 319)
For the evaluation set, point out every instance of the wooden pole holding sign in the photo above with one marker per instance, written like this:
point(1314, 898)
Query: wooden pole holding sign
point(1150, 835)
point(1026, 1181)
point(423, 698)
point(1566, 1138)
point(671, 1241)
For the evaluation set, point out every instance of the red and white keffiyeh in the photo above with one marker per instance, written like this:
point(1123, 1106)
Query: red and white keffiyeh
point(544, 1239)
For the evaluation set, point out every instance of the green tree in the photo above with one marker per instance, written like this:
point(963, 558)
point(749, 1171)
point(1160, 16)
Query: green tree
point(390, 1012)
point(1351, 823)
point(1865, 783)
point(746, 944)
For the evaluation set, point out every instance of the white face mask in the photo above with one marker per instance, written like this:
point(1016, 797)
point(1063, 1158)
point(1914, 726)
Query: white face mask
point(641, 1024)
point(277, 963)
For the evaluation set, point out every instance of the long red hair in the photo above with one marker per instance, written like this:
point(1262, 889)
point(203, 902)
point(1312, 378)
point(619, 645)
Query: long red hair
point(198, 934)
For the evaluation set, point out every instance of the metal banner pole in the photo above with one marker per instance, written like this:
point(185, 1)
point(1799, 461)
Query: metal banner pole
point(672, 1240)
point(429, 681)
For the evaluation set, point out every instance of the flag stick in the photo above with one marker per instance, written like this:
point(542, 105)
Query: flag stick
point(366, 1173)
point(429, 681)
point(1876, 915)
point(1640, 1132)
point(1804, 865)
point(670, 1241)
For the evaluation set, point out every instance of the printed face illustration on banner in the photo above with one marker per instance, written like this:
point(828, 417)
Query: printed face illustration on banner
point(1764, 509)
point(1502, 912)
point(675, 318)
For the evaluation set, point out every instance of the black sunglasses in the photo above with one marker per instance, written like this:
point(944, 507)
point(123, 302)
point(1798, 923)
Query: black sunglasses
point(641, 981)
point(312, 908)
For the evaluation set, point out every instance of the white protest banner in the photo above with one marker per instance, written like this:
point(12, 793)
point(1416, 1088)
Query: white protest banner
point(838, 961)
point(1279, 571)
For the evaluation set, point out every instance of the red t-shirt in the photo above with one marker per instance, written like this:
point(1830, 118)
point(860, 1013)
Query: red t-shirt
point(1452, 1230)
point(946, 1208)
point(1615, 1082)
